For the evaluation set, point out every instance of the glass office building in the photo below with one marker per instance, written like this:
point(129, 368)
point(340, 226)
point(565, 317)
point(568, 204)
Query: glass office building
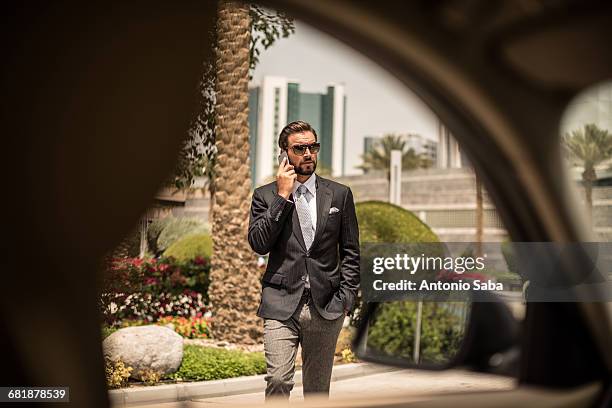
point(278, 101)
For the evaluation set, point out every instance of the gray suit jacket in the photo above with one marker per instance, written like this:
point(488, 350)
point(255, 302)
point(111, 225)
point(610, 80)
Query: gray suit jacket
point(332, 263)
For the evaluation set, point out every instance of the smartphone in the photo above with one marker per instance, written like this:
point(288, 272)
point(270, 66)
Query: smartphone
point(282, 156)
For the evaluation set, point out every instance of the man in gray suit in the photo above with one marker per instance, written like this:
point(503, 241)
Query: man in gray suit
point(308, 226)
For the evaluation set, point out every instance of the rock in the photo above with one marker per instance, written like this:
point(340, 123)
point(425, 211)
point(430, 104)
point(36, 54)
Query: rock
point(146, 348)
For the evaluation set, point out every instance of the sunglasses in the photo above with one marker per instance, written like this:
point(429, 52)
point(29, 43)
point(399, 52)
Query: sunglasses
point(301, 149)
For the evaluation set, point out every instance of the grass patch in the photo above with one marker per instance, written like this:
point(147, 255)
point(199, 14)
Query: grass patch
point(107, 331)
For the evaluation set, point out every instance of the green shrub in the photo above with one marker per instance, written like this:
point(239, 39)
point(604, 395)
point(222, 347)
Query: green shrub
point(154, 229)
point(384, 222)
point(177, 228)
point(381, 222)
point(393, 332)
point(190, 247)
point(442, 330)
point(206, 363)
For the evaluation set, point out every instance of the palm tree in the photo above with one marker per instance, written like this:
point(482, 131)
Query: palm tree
point(379, 158)
point(234, 290)
point(479, 215)
point(588, 148)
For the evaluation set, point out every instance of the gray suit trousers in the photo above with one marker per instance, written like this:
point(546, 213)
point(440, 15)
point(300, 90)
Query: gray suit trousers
point(317, 337)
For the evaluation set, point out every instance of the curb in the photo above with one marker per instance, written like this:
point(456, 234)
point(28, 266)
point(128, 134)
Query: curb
point(219, 388)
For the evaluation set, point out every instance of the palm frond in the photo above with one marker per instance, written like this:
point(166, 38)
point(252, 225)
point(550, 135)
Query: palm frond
point(379, 158)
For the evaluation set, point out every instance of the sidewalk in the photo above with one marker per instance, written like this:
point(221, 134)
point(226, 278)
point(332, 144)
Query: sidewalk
point(222, 388)
point(398, 386)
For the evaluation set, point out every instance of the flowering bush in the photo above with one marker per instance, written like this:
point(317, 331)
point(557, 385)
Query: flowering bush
point(348, 356)
point(149, 289)
point(117, 373)
point(150, 308)
point(196, 327)
point(150, 377)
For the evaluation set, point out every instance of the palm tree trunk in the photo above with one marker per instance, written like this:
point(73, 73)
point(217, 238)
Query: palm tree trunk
point(479, 216)
point(211, 204)
point(588, 196)
point(235, 288)
point(588, 176)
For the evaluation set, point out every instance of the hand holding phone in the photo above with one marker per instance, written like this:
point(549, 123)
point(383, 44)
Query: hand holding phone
point(281, 156)
point(285, 176)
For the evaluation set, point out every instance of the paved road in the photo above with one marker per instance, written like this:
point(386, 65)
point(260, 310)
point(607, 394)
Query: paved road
point(407, 384)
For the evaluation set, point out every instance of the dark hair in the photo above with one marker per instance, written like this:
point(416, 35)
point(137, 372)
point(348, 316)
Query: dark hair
point(292, 128)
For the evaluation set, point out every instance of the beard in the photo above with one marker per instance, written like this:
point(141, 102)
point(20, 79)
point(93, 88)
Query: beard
point(304, 171)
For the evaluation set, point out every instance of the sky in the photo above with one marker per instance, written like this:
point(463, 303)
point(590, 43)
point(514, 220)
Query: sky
point(376, 103)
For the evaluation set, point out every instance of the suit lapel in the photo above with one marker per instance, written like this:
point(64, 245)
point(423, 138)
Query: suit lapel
point(324, 199)
point(295, 227)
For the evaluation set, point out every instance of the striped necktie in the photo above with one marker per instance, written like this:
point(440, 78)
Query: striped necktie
point(303, 210)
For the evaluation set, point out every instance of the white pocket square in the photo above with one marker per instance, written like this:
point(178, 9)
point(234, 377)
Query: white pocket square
point(333, 210)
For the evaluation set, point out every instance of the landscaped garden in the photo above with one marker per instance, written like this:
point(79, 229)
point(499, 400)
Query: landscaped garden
point(157, 318)
point(168, 289)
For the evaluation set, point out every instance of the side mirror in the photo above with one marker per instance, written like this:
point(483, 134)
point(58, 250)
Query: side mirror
point(481, 335)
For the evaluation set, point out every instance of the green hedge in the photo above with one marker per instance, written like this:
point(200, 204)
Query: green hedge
point(206, 363)
point(381, 222)
point(393, 332)
point(190, 247)
point(442, 330)
point(384, 222)
point(177, 228)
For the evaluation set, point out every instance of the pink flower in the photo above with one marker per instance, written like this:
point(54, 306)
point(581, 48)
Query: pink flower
point(150, 281)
